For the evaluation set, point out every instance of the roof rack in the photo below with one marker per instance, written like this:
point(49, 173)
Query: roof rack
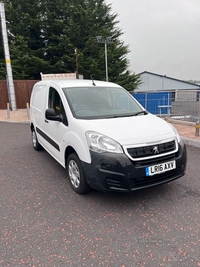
point(59, 76)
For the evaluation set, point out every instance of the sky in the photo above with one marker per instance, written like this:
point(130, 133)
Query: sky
point(163, 36)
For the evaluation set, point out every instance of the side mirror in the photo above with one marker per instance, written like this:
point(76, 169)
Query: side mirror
point(51, 115)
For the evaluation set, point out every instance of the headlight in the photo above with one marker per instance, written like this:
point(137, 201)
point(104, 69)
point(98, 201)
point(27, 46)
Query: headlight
point(101, 143)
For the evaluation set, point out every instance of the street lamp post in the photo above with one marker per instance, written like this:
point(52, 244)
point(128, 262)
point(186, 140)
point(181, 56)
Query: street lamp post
point(76, 53)
point(107, 40)
point(11, 89)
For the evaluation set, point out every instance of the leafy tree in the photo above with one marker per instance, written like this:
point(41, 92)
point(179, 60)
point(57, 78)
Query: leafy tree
point(43, 36)
point(2, 57)
point(2, 63)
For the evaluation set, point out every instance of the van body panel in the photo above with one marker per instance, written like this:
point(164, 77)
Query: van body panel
point(54, 136)
point(132, 130)
point(147, 142)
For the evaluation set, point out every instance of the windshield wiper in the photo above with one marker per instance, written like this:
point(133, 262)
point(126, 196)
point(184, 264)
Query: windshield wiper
point(123, 115)
point(140, 112)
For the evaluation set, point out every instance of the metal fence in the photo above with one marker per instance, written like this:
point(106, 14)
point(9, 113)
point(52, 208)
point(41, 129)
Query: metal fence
point(179, 104)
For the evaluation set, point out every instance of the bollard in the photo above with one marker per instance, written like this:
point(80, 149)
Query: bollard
point(8, 111)
point(197, 126)
point(28, 110)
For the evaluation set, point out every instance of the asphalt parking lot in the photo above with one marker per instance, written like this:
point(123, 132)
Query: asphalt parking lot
point(44, 223)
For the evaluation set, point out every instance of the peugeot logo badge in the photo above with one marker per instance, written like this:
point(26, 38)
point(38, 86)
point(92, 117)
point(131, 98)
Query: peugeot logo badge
point(155, 150)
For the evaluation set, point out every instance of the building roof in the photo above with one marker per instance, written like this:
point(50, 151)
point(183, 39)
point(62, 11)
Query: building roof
point(174, 79)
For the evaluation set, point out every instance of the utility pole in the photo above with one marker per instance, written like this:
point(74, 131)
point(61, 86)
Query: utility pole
point(106, 41)
point(10, 84)
point(76, 53)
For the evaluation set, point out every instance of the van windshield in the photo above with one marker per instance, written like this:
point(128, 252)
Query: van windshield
point(101, 102)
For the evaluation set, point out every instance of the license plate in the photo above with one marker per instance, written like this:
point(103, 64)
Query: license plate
point(160, 168)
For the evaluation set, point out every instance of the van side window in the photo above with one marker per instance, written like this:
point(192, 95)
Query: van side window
point(55, 102)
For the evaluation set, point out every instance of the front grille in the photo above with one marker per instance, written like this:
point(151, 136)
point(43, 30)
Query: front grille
point(152, 150)
point(153, 161)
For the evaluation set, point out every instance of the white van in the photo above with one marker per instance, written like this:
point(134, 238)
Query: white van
point(103, 137)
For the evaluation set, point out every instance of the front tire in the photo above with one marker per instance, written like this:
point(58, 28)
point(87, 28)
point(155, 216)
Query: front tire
point(76, 175)
point(36, 144)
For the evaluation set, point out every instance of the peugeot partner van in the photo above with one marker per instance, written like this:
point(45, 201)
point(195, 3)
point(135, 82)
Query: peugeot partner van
point(103, 137)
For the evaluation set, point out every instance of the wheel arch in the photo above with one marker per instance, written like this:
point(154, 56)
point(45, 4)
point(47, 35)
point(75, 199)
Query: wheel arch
point(31, 126)
point(68, 151)
point(75, 141)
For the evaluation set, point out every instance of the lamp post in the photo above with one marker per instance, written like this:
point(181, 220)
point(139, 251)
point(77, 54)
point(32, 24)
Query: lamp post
point(107, 40)
point(11, 89)
point(76, 53)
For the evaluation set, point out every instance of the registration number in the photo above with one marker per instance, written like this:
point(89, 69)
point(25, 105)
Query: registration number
point(160, 168)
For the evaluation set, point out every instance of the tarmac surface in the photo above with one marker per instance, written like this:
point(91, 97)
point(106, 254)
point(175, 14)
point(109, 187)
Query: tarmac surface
point(44, 223)
point(187, 130)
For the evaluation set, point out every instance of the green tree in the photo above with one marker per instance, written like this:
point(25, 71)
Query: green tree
point(2, 63)
point(43, 36)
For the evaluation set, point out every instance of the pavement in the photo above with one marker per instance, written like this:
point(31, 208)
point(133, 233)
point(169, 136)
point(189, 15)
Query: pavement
point(187, 130)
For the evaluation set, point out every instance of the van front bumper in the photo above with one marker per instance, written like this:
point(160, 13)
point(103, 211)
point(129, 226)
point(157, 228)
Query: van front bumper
point(116, 172)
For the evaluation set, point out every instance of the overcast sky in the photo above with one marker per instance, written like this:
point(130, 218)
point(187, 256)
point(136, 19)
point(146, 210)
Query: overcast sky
point(163, 35)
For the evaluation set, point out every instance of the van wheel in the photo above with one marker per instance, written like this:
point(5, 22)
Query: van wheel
point(76, 175)
point(36, 144)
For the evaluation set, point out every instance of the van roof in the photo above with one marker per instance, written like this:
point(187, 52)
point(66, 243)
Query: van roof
point(76, 83)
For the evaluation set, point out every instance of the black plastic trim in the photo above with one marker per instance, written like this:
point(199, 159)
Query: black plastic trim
point(48, 139)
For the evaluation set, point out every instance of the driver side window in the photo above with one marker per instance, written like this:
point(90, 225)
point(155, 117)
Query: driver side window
point(55, 102)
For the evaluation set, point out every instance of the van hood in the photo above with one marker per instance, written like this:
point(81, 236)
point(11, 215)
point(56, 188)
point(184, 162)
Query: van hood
point(132, 130)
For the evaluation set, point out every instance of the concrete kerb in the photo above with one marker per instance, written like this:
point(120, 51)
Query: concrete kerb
point(16, 122)
point(188, 141)
point(191, 142)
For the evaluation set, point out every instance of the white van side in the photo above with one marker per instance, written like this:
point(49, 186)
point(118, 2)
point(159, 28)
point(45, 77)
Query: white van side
point(103, 137)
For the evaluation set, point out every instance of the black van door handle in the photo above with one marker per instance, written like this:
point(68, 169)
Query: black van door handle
point(46, 121)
